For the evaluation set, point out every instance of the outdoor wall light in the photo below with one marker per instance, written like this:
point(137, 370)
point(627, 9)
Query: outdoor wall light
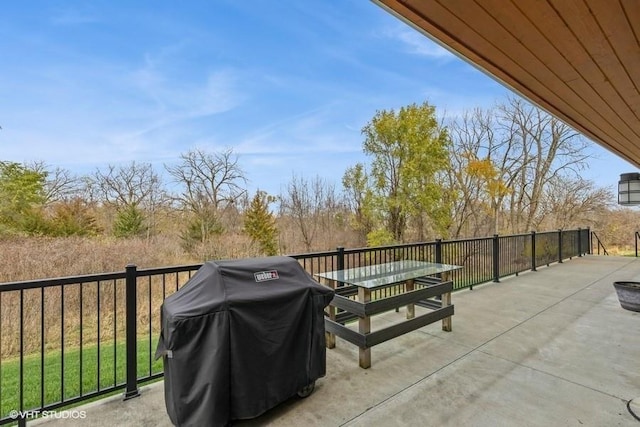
point(629, 189)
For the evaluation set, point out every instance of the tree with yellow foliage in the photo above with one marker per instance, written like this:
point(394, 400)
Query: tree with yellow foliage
point(409, 148)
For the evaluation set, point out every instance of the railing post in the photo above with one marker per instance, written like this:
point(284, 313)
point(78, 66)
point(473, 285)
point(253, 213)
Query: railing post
point(579, 242)
point(496, 258)
point(340, 262)
point(533, 250)
point(439, 255)
point(340, 259)
point(636, 241)
point(131, 390)
point(560, 246)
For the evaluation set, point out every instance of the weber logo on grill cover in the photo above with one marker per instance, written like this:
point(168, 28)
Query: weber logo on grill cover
point(263, 276)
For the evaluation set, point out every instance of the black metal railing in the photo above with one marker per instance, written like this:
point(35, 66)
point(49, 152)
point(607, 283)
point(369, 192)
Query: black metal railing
point(68, 340)
point(599, 246)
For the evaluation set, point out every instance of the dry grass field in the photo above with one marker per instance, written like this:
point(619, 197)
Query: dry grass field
point(30, 258)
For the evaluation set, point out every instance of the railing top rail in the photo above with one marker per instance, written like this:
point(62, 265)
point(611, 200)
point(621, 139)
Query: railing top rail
point(507, 236)
point(88, 278)
point(555, 233)
point(359, 250)
point(387, 247)
point(167, 270)
point(69, 280)
point(314, 254)
point(472, 239)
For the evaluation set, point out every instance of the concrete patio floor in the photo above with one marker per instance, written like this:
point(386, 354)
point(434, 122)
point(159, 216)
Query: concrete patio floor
point(546, 348)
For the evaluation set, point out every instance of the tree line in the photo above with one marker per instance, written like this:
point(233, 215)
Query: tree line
point(507, 169)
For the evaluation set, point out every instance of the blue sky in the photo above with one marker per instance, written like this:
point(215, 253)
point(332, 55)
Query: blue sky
point(287, 85)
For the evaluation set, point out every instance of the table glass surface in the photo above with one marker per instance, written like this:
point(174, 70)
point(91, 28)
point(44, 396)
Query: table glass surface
point(375, 276)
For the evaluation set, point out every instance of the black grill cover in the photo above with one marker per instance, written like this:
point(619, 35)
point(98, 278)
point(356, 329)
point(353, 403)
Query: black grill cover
point(239, 338)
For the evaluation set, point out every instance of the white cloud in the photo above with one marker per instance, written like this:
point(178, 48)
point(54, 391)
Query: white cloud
point(418, 44)
point(113, 115)
point(175, 98)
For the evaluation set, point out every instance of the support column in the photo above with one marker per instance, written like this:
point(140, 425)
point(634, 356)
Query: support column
point(364, 327)
point(330, 339)
point(446, 301)
point(411, 308)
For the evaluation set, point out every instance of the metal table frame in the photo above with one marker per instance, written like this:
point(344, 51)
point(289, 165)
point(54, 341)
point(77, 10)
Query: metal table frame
point(420, 284)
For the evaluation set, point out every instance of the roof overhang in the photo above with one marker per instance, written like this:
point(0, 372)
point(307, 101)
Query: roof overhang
point(577, 59)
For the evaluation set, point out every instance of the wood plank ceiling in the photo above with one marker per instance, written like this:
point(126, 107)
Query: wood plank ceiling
point(577, 59)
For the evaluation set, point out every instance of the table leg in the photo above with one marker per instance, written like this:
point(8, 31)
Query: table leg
point(411, 308)
point(364, 327)
point(330, 339)
point(446, 301)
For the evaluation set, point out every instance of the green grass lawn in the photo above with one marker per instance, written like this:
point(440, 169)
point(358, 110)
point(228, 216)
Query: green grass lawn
point(77, 382)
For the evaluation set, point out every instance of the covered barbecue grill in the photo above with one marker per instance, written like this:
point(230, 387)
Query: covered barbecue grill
point(239, 338)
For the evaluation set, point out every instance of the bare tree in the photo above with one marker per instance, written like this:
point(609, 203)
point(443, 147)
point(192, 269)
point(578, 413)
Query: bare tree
point(60, 184)
point(313, 206)
point(136, 184)
point(573, 203)
point(503, 160)
point(208, 179)
point(135, 191)
point(548, 149)
point(208, 184)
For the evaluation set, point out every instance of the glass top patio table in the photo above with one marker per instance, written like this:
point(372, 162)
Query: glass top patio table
point(379, 275)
